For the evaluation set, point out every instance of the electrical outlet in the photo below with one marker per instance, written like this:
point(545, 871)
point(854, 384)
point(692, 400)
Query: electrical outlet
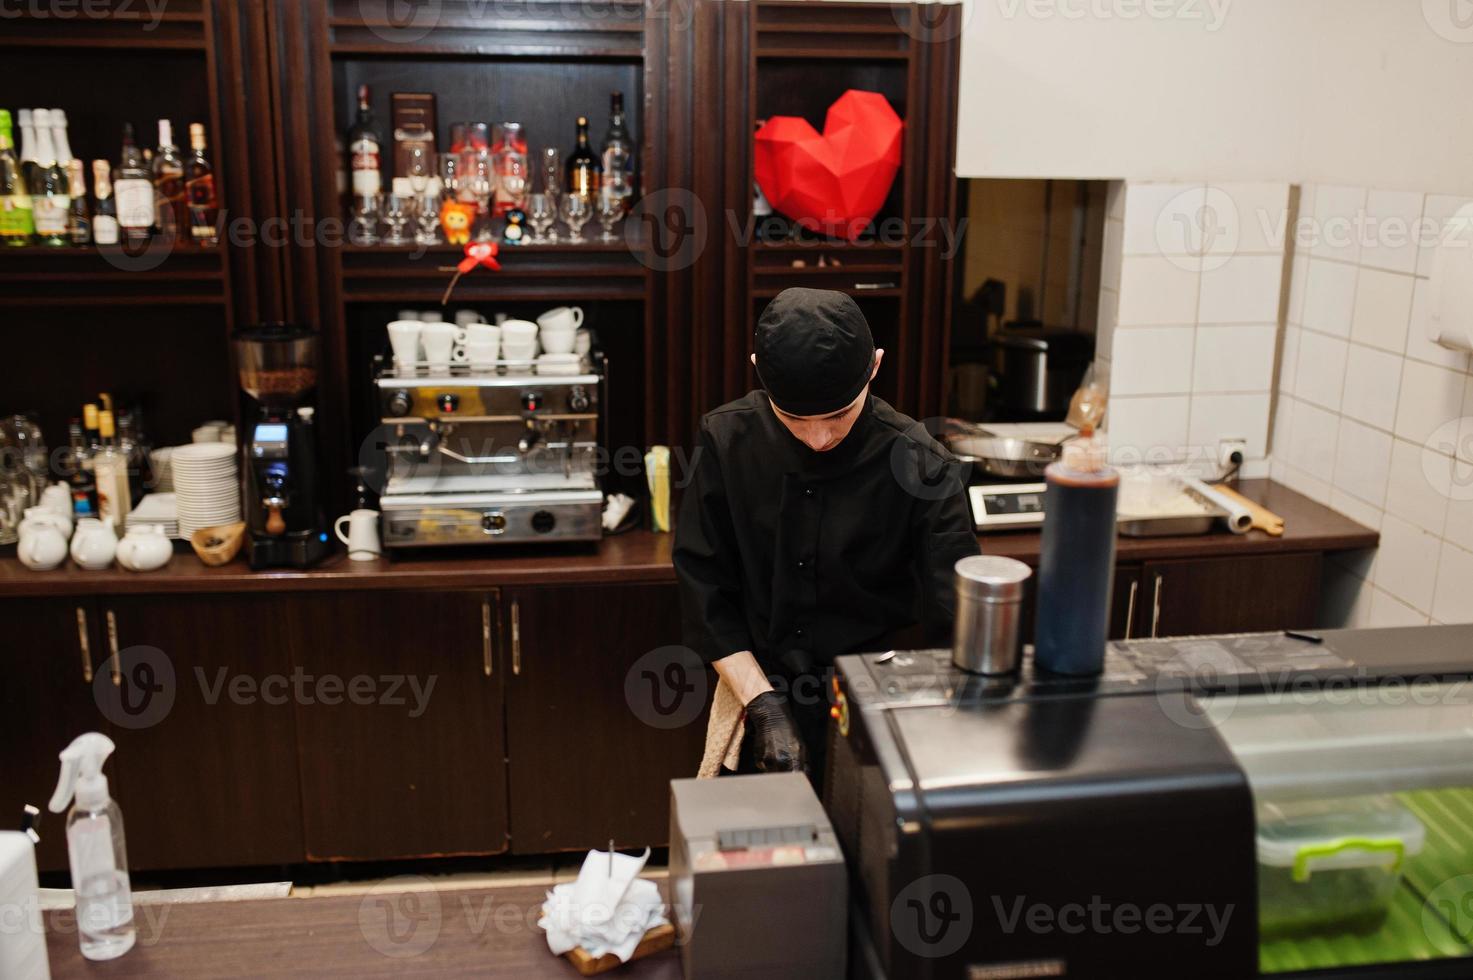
point(1231, 452)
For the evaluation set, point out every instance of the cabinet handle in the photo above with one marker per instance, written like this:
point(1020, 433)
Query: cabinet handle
point(1135, 587)
point(516, 637)
point(112, 649)
point(1156, 606)
point(486, 636)
point(85, 643)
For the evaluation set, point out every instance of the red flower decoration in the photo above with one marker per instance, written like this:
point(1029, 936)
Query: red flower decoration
point(480, 253)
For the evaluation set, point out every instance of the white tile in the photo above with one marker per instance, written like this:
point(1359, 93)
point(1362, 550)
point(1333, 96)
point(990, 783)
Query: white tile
point(1234, 359)
point(1458, 527)
point(1417, 489)
point(1165, 219)
point(1156, 291)
point(1312, 442)
point(1391, 230)
point(1218, 417)
point(1289, 359)
point(1344, 599)
point(1383, 306)
point(1406, 565)
point(1321, 375)
point(1242, 289)
point(1436, 211)
point(1453, 600)
point(1301, 482)
point(1339, 213)
point(1259, 213)
point(1387, 611)
point(1151, 361)
point(1112, 252)
point(1355, 508)
point(1147, 428)
point(1431, 400)
point(1419, 346)
point(1372, 381)
point(1362, 561)
point(1254, 469)
point(1298, 280)
point(1329, 297)
point(1281, 427)
point(1362, 461)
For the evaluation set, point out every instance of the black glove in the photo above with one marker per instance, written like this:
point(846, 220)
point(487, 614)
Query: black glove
point(776, 746)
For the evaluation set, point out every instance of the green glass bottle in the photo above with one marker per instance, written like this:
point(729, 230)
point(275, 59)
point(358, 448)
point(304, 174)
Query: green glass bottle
point(16, 225)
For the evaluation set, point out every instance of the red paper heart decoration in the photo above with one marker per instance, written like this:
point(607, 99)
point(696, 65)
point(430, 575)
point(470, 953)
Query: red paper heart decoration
point(834, 183)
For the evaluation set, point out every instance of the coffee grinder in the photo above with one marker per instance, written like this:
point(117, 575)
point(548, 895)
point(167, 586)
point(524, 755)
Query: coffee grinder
point(278, 370)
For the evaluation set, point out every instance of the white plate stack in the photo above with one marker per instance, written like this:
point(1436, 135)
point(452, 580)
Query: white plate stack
point(206, 486)
point(157, 508)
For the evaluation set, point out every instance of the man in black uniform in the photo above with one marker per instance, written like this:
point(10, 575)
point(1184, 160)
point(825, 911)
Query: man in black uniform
point(819, 522)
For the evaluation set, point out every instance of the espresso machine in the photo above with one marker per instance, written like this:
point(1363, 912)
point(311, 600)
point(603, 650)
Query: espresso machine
point(489, 454)
point(283, 505)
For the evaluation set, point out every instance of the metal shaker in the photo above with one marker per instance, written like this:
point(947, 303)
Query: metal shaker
point(989, 613)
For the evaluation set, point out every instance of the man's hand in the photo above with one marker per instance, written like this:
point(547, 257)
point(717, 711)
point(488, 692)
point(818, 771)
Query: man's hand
point(776, 745)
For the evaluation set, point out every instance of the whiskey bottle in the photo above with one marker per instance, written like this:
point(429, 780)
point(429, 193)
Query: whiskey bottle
point(199, 184)
point(79, 224)
point(168, 184)
point(584, 170)
point(365, 149)
point(105, 219)
point(618, 153)
point(134, 191)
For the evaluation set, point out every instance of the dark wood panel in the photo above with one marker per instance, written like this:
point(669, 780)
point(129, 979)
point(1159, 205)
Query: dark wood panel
point(1230, 595)
point(205, 747)
point(417, 766)
point(46, 700)
point(590, 756)
point(391, 934)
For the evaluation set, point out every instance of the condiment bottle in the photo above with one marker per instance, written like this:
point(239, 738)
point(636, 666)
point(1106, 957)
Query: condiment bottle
point(1076, 570)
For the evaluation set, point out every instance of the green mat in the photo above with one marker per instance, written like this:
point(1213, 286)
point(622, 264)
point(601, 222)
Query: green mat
point(1413, 931)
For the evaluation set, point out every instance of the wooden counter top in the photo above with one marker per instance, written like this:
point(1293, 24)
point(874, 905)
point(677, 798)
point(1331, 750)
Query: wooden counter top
point(455, 933)
point(637, 557)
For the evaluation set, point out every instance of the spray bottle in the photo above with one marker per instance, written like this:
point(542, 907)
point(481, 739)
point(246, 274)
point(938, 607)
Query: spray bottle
point(99, 860)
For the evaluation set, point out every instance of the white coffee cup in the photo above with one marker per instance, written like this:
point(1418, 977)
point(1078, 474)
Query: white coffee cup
point(558, 340)
point(479, 354)
point(481, 333)
point(407, 315)
point(404, 338)
point(434, 316)
point(465, 318)
point(439, 340)
point(206, 433)
point(362, 537)
point(519, 330)
point(567, 317)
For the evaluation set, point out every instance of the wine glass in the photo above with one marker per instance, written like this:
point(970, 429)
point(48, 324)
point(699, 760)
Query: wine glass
point(427, 228)
point(478, 183)
point(450, 174)
point(418, 169)
point(364, 229)
point(576, 212)
point(396, 217)
point(610, 213)
point(542, 216)
point(552, 173)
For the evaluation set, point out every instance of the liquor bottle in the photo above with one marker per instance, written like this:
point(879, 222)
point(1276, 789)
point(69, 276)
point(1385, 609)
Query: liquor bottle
point(114, 498)
point(134, 191)
point(79, 224)
point(50, 187)
point(90, 428)
point(105, 219)
point(204, 206)
point(79, 473)
point(27, 146)
point(130, 447)
point(365, 147)
point(168, 183)
point(16, 225)
point(584, 170)
point(618, 153)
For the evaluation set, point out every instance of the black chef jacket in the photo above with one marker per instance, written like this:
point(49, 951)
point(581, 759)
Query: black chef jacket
point(800, 556)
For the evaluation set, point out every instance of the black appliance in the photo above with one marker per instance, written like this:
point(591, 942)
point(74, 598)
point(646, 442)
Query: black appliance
point(283, 493)
point(1036, 372)
point(1038, 826)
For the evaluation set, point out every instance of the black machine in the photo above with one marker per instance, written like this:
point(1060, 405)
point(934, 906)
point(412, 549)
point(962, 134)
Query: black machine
point(283, 505)
point(1125, 825)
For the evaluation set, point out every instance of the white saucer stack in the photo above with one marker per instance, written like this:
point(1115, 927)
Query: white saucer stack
point(206, 486)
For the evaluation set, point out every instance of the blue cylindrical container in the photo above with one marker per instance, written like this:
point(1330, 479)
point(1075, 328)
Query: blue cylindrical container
point(1076, 570)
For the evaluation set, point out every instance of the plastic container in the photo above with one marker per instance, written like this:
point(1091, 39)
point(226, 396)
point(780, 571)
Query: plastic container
point(1329, 866)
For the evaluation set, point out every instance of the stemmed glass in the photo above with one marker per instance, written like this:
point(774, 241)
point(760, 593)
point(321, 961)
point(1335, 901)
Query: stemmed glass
point(576, 212)
point(610, 213)
point(364, 229)
point(478, 183)
point(552, 173)
point(542, 216)
point(421, 177)
point(396, 218)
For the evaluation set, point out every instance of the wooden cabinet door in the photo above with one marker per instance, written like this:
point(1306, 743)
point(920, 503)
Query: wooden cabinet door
point(415, 765)
point(603, 710)
point(1229, 595)
point(200, 712)
point(48, 652)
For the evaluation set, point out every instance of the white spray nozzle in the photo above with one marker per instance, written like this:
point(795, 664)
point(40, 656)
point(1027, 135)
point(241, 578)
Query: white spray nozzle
point(81, 772)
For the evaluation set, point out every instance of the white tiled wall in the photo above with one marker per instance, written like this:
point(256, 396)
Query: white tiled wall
point(1189, 314)
point(1368, 412)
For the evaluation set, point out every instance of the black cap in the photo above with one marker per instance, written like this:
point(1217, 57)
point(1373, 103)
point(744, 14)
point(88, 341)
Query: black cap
point(815, 353)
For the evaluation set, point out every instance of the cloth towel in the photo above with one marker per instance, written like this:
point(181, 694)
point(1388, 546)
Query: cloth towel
point(723, 733)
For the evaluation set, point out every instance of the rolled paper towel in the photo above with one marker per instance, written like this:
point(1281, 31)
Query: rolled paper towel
point(1238, 518)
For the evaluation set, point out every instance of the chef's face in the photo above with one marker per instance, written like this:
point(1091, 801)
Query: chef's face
point(824, 432)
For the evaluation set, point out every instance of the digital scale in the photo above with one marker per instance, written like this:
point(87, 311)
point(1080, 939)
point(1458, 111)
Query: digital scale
point(1007, 506)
